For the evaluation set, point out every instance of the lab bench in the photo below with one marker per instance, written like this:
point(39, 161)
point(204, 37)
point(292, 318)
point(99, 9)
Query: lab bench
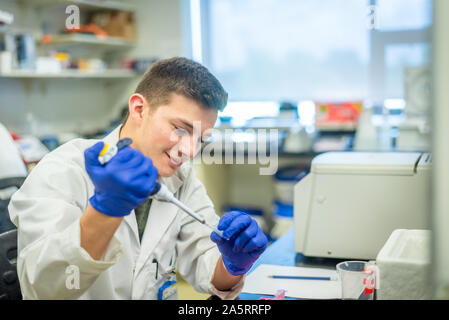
point(282, 253)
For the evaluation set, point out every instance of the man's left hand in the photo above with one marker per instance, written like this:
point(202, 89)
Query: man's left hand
point(246, 242)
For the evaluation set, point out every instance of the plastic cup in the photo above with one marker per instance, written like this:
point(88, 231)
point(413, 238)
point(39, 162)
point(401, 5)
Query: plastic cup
point(357, 280)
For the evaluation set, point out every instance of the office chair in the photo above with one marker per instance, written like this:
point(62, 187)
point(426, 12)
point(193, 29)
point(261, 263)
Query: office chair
point(9, 281)
point(5, 222)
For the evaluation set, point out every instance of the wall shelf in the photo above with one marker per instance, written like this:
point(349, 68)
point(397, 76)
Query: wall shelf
point(88, 39)
point(68, 74)
point(92, 5)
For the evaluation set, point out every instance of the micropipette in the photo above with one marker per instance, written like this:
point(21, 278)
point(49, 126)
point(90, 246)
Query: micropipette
point(160, 191)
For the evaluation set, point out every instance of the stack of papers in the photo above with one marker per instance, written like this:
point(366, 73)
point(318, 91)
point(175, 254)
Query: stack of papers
point(260, 282)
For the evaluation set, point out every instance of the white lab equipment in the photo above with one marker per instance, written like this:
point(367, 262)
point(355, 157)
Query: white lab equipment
point(297, 140)
point(11, 164)
point(366, 135)
point(404, 266)
point(351, 202)
point(414, 135)
point(285, 180)
point(414, 132)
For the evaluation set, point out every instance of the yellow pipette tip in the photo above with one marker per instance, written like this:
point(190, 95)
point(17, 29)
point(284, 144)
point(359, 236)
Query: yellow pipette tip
point(104, 150)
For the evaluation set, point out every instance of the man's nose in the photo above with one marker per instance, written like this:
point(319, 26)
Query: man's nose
point(188, 148)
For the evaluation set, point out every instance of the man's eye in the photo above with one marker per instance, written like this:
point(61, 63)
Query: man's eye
point(181, 132)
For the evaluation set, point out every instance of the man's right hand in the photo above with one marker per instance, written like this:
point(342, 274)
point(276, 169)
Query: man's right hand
point(123, 183)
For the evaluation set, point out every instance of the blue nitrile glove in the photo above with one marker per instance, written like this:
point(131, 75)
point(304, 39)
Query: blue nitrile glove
point(246, 241)
point(123, 183)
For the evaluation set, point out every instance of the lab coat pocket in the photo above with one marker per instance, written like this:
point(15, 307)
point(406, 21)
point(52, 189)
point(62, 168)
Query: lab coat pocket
point(164, 272)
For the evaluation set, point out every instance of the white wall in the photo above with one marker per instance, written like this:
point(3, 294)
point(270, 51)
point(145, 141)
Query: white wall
point(440, 186)
point(159, 28)
point(80, 105)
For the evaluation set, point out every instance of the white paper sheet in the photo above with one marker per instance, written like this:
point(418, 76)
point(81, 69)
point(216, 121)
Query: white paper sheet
point(258, 282)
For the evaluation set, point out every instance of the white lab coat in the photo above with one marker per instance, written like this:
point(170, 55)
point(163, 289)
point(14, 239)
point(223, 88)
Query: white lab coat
point(47, 211)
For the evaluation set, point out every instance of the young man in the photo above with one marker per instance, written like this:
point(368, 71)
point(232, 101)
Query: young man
point(90, 231)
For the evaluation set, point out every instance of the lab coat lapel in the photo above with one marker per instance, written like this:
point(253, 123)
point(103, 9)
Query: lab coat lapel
point(113, 136)
point(161, 216)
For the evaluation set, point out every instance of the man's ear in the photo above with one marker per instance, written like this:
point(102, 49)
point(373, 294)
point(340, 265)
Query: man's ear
point(136, 105)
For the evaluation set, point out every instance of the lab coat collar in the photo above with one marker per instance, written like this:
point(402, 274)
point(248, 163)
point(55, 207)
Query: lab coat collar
point(173, 184)
point(113, 136)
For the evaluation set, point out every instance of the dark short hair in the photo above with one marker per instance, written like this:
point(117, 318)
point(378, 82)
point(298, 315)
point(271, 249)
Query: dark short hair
point(182, 76)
